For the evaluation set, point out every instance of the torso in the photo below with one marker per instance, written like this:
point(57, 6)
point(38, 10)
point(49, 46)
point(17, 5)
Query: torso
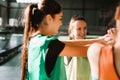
point(39, 47)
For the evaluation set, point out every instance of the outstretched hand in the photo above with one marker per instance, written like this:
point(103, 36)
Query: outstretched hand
point(110, 36)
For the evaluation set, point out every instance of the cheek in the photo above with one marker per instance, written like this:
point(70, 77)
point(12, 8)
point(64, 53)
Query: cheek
point(85, 31)
point(56, 27)
point(61, 23)
point(78, 32)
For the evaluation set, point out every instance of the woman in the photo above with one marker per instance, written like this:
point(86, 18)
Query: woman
point(104, 59)
point(77, 68)
point(41, 52)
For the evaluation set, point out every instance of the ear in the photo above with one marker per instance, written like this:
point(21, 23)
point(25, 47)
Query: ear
point(48, 18)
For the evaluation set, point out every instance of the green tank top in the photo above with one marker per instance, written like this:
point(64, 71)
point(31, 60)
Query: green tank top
point(37, 50)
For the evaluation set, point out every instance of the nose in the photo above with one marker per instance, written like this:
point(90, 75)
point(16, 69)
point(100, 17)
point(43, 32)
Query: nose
point(61, 23)
point(82, 31)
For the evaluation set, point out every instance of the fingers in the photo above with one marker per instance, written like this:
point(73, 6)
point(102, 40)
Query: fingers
point(110, 36)
point(112, 31)
point(109, 39)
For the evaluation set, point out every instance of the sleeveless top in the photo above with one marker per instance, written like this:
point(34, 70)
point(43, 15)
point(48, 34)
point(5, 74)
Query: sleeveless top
point(107, 66)
point(44, 62)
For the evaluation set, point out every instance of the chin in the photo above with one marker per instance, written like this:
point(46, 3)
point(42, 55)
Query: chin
point(55, 33)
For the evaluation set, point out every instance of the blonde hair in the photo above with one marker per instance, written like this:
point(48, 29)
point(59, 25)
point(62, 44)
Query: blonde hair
point(71, 25)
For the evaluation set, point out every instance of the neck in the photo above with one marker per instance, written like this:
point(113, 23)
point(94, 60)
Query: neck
point(34, 34)
point(45, 32)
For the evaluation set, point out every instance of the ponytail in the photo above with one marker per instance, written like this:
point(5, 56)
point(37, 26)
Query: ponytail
point(25, 42)
point(33, 18)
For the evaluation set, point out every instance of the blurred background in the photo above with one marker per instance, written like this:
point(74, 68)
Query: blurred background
point(98, 13)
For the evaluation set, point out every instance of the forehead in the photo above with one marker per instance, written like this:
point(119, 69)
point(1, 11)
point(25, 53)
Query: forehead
point(80, 23)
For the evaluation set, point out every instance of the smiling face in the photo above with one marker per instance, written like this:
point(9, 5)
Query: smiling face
point(79, 29)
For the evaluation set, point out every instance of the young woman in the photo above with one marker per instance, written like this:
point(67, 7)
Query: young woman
point(104, 59)
point(77, 68)
point(41, 52)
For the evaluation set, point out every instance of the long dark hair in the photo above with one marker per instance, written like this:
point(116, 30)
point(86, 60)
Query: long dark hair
point(34, 14)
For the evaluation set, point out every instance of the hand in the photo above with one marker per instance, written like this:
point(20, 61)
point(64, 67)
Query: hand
point(112, 31)
point(110, 37)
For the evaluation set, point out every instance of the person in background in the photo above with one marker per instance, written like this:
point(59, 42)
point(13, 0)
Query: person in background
point(104, 59)
point(77, 68)
point(41, 52)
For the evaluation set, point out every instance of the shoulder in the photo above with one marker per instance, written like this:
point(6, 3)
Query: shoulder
point(95, 49)
point(56, 45)
point(96, 46)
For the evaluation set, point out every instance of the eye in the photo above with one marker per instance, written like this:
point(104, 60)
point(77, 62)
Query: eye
point(78, 28)
point(61, 19)
point(85, 28)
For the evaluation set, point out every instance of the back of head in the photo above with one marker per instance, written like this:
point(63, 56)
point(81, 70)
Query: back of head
point(35, 13)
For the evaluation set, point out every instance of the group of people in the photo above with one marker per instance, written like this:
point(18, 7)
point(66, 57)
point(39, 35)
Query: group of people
point(42, 54)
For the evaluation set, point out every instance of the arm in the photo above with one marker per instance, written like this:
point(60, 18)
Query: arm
point(57, 47)
point(74, 51)
point(82, 42)
point(78, 47)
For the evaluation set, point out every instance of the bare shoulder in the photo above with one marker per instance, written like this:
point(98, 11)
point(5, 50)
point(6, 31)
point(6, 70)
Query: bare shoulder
point(96, 45)
point(95, 48)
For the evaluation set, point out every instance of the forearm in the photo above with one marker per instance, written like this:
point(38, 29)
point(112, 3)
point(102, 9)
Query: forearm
point(74, 51)
point(82, 42)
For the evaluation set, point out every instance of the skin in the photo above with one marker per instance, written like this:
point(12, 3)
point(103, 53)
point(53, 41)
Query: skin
point(80, 29)
point(52, 24)
point(95, 50)
point(117, 48)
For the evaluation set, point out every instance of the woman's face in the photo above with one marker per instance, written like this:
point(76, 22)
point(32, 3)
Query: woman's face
point(79, 29)
point(52, 24)
point(55, 23)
